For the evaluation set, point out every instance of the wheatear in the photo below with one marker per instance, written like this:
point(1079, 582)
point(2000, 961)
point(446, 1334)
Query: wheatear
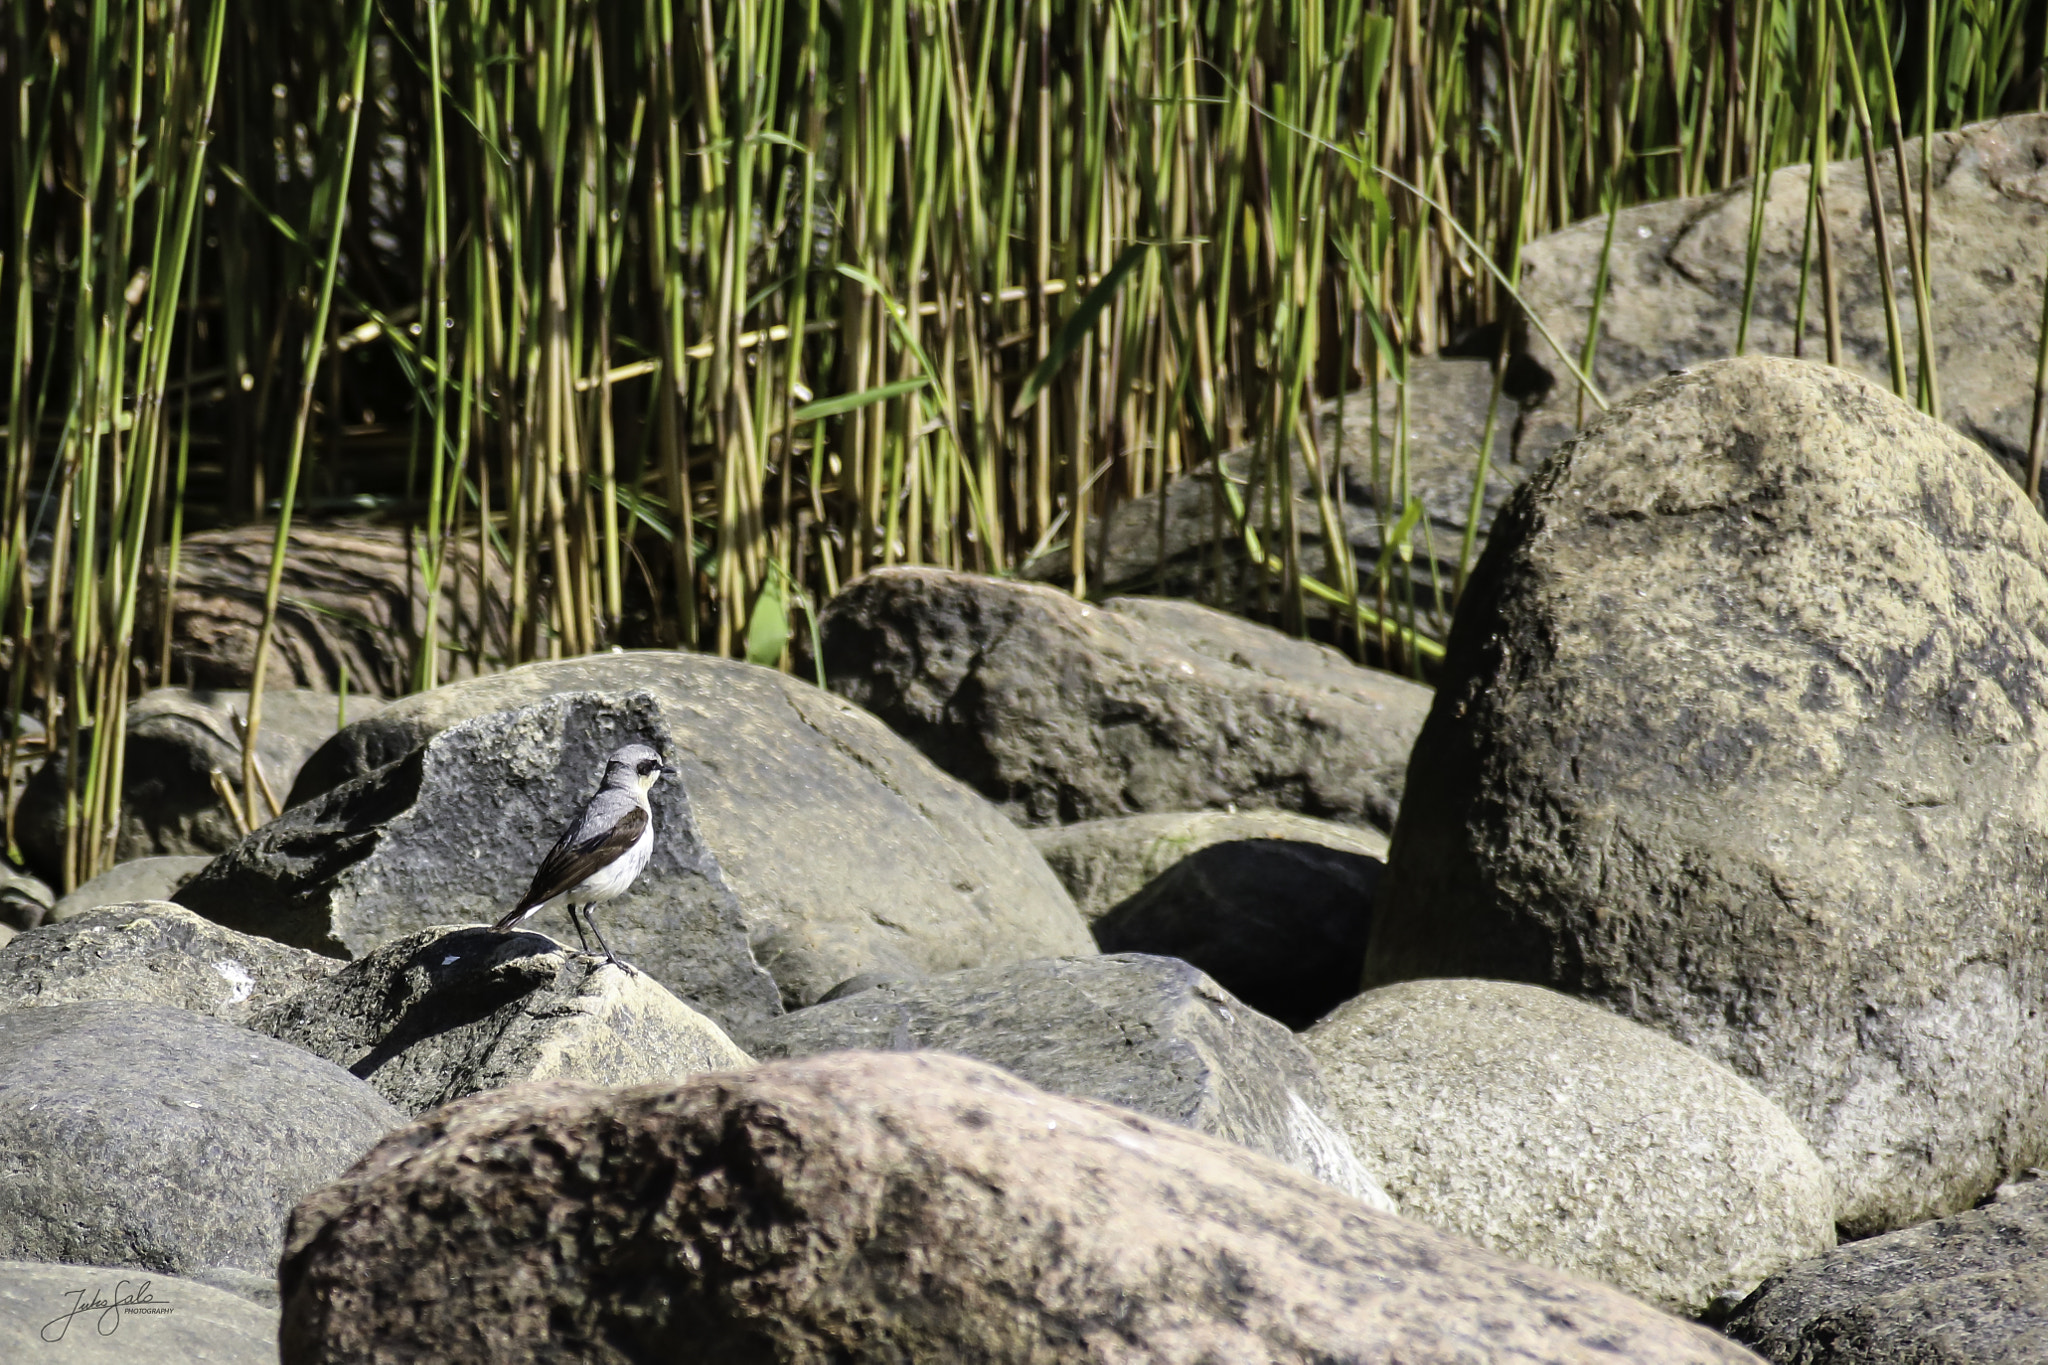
point(603, 849)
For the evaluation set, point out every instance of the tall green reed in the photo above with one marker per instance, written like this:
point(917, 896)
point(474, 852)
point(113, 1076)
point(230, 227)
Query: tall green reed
point(686, 312)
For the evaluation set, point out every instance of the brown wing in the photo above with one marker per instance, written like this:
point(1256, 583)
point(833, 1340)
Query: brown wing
point(567, 864)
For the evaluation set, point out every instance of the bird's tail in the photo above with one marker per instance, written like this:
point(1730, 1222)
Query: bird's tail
point(511, 919)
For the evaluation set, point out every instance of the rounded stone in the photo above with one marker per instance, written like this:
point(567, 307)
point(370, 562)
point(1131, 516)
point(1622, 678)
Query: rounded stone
point(141, 1135)
point(1558, 1132)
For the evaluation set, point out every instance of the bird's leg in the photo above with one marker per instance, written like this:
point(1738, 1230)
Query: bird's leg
point(576, 920)
point(609, 955)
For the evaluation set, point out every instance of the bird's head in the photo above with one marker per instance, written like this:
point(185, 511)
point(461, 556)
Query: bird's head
point(637, 767)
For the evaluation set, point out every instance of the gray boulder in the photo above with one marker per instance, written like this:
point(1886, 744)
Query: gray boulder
point(802, 842)
point(176, 738)
point(154, 1138)
point(1061, 711)
point(450, 1011)
point(24, 899)
point(1969, 1288)
point(1741, 734)
point(873, 1208)
point(1676, 280)
point(142, 879)
point(1148, 1033)
point(154, 953)
point(1556, 1132)
point(1104, 863)
point(96, 1315)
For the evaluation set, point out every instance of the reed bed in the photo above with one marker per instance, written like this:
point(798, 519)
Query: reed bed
point(687, 313)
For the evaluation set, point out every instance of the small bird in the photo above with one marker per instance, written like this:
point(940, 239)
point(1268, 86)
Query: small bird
point(603, 849)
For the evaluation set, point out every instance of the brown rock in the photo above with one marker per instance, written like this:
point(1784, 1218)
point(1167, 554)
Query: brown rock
point(869, 1207)
point(351, 598)
point(1058, 711)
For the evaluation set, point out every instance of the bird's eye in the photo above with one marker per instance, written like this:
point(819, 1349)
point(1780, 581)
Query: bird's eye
point(647, 765)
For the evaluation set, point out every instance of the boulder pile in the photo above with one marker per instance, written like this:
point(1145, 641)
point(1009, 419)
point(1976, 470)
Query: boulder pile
point(1050, 989)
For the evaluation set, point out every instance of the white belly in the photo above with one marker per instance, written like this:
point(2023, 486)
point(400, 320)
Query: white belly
point(613, 878)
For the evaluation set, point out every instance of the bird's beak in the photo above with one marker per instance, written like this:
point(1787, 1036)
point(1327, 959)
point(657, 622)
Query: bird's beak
point(668, 770)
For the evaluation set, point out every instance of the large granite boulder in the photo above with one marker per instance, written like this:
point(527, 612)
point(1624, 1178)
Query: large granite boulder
point(154, 953)
point(1060, 711)
point(1147, 1033)
point(176, 738)
point(1968, 1288)
point(139, 879)
point(450, 1011)
point(155, 1138)
point(1675, 284)
point(1743, 733)
point(94, 1315)
point(872, 1208)
point(1556, 1132)
point(801, 844)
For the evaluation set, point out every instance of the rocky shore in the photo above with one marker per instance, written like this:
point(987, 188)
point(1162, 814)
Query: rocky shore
point(1122, 981)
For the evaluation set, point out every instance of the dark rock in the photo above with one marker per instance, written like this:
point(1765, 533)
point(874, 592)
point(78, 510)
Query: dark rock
point(1148, 1033)
point(141, 879)
point(1965, 1289)
point(802, 843)
point(353, 606)
point(154, 953)
point(1553, 1131)
point(48, 1313)
point(155, 1138)
point(866, 1208)
point(1675, 285)
point(1280, 923)
point(176, 738)
point(1104, 863)
point(24, 899)
point(1742, 734)
point(450, 1011)
point(1059, 711)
